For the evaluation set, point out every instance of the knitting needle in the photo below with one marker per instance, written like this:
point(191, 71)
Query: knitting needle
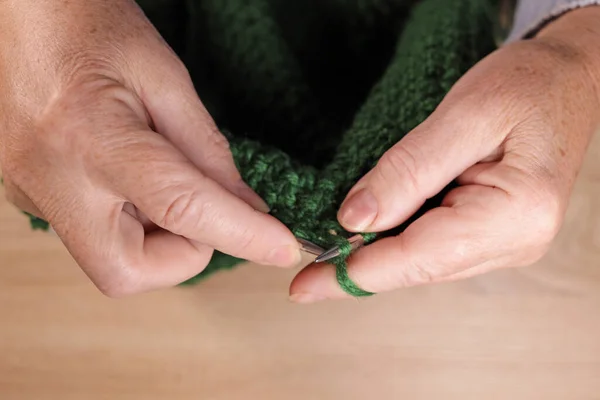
point(355, 241)
point(310, 247)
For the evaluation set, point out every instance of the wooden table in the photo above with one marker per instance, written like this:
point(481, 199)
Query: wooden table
point(514, 334)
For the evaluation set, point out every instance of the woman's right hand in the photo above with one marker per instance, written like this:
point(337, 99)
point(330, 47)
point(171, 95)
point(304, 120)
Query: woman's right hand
point(103, 135)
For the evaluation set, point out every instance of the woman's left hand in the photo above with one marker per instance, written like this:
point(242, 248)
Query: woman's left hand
point(513, 132)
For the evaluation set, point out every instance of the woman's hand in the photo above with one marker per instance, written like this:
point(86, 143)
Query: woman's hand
point(103, 135)
point(514, 132)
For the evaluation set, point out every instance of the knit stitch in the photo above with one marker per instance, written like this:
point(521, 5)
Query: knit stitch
point(311, 93)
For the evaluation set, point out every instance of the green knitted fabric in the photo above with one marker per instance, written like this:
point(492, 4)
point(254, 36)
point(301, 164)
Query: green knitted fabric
point(311, 93)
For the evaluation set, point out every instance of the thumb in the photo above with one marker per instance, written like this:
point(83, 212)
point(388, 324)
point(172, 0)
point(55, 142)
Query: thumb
point(414, 170)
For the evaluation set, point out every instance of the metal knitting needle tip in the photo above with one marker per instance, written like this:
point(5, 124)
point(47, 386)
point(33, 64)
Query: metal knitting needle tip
point(355, 241)
point(328, 255)
point(310, 247)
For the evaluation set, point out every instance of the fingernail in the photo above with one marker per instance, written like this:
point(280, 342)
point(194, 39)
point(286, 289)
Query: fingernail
point(306, 298)
point(285, 256)
point(246, 193)
point(359, 211)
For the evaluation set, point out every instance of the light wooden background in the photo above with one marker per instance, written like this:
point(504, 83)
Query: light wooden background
point(515, 334)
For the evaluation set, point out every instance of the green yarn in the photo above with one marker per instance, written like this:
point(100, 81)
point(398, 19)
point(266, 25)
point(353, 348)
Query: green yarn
point(218, 262)
point(341, 270)
point(37, 224)
point(345, 282)
point(311, 93)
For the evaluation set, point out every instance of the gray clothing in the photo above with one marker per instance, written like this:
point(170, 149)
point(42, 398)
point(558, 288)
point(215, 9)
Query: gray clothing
point(531, 15)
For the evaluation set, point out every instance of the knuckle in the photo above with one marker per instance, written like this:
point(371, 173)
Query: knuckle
point(422, 275)
point(398, 166)
point(218, 153)
point(245, 241)
point(417, 275)
point(414, 271)
point(172, 65)
point(545, 217)
point(184, 213)
point(181, 69)
point(218, 140)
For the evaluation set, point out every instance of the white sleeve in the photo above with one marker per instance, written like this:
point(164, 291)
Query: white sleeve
point(532, 15)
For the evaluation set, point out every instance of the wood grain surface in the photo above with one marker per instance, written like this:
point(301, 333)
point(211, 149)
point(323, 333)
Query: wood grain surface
point(530, 334)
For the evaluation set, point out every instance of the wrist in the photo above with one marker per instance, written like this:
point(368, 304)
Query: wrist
point(576, 38)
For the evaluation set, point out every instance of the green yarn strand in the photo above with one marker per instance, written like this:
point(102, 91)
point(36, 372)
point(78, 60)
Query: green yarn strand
point(341, 267)
point(346, 283)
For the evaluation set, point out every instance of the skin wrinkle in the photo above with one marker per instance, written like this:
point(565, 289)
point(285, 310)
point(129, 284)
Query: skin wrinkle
point(550, 116)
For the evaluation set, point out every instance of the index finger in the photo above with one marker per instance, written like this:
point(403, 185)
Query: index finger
point(467, 231)
point(146, 170)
